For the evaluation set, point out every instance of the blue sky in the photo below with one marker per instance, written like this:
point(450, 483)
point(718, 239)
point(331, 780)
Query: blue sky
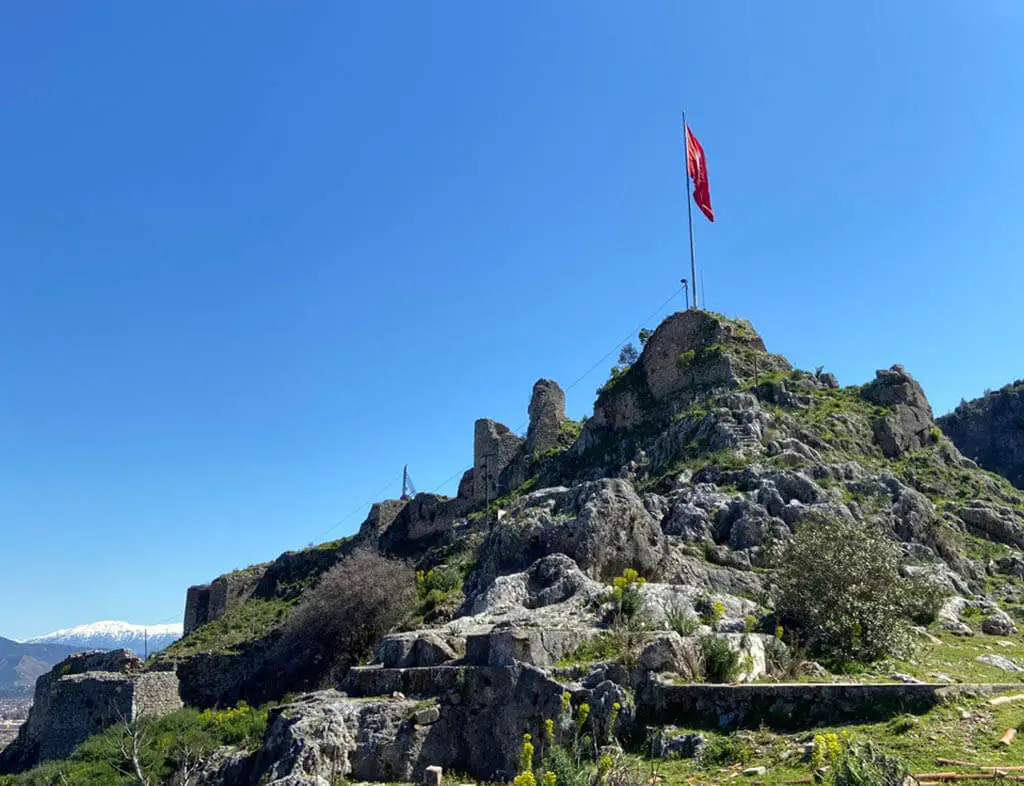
point(254, 257)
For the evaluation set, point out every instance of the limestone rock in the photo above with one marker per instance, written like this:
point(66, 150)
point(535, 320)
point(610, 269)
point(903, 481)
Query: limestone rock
point(909, 421)
point(668, 744)
point(997, 523)
point(324, 737)
point(602, 525)
point(416, 649)
point(999, 662)
point(998, 623)
point(666, 652)
point(990, 430)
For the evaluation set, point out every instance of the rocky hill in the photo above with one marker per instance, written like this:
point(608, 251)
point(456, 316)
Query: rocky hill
point(720, 518)
point(990, 430)
point(21, 664)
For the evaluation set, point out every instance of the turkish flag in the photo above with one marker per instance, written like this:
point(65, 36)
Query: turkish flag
point(697, 166)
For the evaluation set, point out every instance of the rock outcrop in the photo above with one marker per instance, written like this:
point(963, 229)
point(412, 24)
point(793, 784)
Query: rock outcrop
point(990, 430)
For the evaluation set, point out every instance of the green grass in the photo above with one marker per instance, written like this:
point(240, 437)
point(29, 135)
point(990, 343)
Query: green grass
point(254, 619)
point(942, 733)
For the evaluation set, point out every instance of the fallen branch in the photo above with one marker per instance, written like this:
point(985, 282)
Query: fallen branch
point(956, 763)
point(1006, 699)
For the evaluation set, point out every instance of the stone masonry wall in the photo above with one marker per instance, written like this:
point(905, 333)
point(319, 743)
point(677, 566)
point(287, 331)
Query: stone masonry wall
point(83, 695)
point(547, 411)
point(494, 448)
point(207, 602)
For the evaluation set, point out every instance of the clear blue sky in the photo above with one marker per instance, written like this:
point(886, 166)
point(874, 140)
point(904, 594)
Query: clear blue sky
point(256, 256)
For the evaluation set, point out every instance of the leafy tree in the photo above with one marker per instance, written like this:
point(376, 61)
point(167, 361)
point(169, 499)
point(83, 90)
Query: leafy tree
point(644, 335)
point(628, 355)
point(840, 584)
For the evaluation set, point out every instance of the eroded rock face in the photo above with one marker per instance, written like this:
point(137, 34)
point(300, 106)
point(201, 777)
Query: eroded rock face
point(990, 430)
point(909, 423)
point(602, 526)
point(325, 737)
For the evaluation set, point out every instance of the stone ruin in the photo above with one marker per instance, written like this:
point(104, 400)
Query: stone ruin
point(83, 695)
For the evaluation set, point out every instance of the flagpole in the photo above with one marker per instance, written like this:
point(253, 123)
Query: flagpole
point(689, 212)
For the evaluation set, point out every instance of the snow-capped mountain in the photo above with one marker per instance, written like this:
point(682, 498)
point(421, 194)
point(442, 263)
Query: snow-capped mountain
point(112, 635)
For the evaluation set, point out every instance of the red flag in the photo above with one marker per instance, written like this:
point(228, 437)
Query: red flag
point(697, 166)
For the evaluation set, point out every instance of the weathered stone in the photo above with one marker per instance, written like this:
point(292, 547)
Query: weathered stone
point(603, 526)
point(494, 448)
point(990, 430)
point(547, 413)
point(999, 662)
point(669, 745)
point(908, 424)
point(667, 652)
point(416, 648)
point(324, 737)
point(998, 623)
point(381, 516)
point(998, 523)
point(432, 776)
point(83, 695)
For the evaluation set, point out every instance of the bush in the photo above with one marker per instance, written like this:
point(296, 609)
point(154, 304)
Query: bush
point(681, 619)
point(356, 602)
point(721, 662)
point(627, 599)
point(722, 752)
point(863, 764)
point(711, 611)
point(840, 584)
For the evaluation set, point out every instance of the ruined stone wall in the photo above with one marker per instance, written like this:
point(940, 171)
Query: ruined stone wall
point(547, 412)
point(83, 695)
point(207, 602)
point(380, 517)
point(494, 448)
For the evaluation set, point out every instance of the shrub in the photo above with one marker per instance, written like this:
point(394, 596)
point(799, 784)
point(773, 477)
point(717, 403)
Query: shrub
point(442, 579)
point(356, 602)
point(723, 751)
point(840, 584)
point(681, 619)
point(711, 611)
point(721, 662)
point(626, 596)
point(864, 764)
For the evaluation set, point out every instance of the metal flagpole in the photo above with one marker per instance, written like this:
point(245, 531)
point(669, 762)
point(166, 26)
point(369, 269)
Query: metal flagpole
point(689, 212)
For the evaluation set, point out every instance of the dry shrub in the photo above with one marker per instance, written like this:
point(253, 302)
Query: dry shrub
point(355, 603)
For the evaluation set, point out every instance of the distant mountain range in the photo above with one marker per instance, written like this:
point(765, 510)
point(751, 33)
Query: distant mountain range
point(113, 635)
point(22, 662)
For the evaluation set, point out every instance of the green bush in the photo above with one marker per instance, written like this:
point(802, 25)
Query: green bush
point(864, 764)
point(442, 579)
point(723, 751)
point(681, 619)
point(721, 663)
point(839, 583)
point(165, 745)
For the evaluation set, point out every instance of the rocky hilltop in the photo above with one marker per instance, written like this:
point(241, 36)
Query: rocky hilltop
point(990, 430)
point(617, 564)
